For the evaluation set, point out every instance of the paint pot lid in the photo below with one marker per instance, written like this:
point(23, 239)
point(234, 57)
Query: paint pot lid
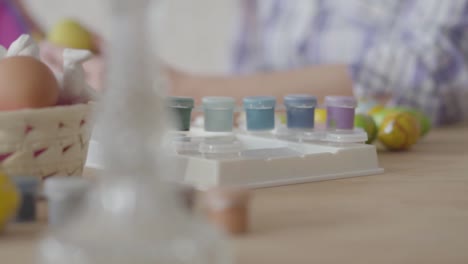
point(64, 186)
point(220, 145)
point(180, 102)
point(259, 102)
point(26, 184)
point(357, 135)
point(300, 100)
point(341, 101)
point(218, 102)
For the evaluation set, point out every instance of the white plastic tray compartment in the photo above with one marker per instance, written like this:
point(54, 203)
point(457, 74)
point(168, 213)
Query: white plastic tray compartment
point(271, 162)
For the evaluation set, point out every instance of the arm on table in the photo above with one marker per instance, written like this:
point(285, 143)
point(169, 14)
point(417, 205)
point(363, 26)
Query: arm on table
point(316, 80)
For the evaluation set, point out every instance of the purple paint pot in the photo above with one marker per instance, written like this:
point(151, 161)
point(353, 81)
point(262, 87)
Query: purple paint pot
point(340, 112)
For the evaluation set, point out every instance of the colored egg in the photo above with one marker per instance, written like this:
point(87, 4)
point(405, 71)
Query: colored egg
point(376, 109)
point(424, 121)
point(364, 105)
point(9, 200)
point(379, 115)
point(321, 116)
point(367, 123)
point(282, 118)
point(399, 131)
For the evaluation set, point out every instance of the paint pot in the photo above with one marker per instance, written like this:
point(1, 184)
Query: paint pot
point(300, 111)
point(64, 197)
point(340, 112)
point(181, 107)
point(260, 112)
point(219, 113)
point(228, 208)
point(28, 186)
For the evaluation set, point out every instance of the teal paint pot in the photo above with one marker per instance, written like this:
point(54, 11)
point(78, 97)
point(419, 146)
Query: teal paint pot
point(260, 112)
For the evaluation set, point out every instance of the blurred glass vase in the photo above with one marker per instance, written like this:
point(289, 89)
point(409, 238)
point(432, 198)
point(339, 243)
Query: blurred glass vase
point(132, 215)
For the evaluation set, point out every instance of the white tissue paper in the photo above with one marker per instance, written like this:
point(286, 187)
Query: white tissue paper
point(3, 52)
point(75, 89)
point(24, 46)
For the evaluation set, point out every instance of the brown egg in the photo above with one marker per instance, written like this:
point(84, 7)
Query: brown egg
point(26, 82)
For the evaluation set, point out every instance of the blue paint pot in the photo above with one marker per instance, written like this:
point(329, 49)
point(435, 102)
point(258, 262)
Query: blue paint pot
point(260, 112)
point(28, 186)
point(218, 113)
point(300, 111)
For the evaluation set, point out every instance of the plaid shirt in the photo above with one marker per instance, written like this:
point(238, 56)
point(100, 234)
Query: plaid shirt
point(414, 50)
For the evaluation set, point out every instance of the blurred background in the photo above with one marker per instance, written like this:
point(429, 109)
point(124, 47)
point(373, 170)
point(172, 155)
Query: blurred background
point(191, 39)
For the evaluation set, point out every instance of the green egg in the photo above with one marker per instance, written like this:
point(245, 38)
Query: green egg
point(367, 123)
point(424, 121)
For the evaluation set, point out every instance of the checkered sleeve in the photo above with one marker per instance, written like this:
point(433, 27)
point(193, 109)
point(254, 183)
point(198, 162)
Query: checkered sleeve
point(421, 63)
point(247, 46)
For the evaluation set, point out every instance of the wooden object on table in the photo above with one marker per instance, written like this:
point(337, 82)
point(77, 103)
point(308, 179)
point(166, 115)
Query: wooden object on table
point(416, 212)
point(228, 208)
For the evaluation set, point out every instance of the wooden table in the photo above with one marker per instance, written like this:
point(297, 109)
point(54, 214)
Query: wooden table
point(417, 212)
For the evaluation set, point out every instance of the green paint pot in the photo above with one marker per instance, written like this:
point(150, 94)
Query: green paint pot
point(181, 107)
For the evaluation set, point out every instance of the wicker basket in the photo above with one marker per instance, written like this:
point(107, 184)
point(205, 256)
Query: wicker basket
point(45, 142)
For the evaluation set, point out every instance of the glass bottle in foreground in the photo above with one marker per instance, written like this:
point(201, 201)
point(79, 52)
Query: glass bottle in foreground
point(132, 215)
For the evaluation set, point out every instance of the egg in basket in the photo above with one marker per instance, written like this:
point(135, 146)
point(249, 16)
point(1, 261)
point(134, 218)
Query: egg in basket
point(45, 116)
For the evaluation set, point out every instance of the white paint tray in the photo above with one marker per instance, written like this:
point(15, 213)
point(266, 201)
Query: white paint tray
point(261, 160)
